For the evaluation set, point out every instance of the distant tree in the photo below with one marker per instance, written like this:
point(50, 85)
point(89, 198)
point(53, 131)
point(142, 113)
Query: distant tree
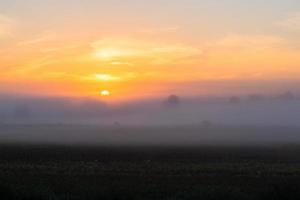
point(22, 111)
point(287, 96)
point(116, 124)
point(206, 124)
point(2, 117)
point(255, 97)
point(172, 100)
point(234, 100)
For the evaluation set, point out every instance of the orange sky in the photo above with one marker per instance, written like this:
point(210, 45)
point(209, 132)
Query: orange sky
point(137, 51)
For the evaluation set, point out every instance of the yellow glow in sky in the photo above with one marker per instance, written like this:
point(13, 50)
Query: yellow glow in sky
point(108, 54)
point(106, 77)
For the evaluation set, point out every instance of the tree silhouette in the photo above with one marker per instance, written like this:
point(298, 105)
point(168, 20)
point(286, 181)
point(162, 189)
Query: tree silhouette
point(234, 100)
point(255, 97)
point(22, 111)
point(172, 100)
point(287, 96)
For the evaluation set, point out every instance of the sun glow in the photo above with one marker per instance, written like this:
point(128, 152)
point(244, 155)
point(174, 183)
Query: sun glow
point(106, 77)
point(111, 53)
point(105, 93)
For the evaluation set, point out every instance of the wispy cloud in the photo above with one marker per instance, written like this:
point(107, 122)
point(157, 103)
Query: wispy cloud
point(238, 41)
point(292, 22)
point(60, 48)
point(124, 50)
point(6, 25)
point(43, 37)
point(35, 65)
point(103, 77)
point(160, 30)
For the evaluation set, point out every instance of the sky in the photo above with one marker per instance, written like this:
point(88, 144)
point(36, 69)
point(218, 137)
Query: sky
point(120, 50)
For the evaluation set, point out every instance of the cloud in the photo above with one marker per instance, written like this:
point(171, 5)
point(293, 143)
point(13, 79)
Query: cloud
point(60, 48)
point(153, 31)
point(237, 41)
point(103, 77)
point(6, 25)
point(249, 56)
point(36, 64)
point(292, 22)
point(123, 50)
point(43, 37)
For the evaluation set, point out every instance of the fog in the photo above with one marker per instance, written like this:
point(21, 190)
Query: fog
point(248, 119)
point(249, 110)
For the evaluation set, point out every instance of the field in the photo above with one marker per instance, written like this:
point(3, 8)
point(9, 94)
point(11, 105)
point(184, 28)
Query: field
point(152, 171)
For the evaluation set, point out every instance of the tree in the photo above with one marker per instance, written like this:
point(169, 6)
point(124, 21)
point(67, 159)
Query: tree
point(2, 118)
point(255, 97)
point(172, 100)
point(234, 100)
point(206, 124)
point(287, 96)
point(22, 111)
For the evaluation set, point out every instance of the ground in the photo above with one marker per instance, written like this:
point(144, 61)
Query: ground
point(149, 172)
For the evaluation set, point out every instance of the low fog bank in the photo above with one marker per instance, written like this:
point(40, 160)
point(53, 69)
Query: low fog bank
point(251, 110)
point(173, 120)
point(153, 136)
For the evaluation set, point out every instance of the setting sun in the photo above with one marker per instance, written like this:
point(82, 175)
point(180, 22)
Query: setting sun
point(105, 93)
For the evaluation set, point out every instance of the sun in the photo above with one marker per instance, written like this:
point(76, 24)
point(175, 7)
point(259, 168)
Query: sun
point(105, 93)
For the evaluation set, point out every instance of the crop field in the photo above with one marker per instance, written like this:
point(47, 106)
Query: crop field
point(171, 172)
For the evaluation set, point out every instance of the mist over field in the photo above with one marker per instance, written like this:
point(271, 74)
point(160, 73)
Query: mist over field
point(173, 120)
point(248, 110)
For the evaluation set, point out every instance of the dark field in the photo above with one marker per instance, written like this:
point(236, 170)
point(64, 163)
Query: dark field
point(52, 171)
